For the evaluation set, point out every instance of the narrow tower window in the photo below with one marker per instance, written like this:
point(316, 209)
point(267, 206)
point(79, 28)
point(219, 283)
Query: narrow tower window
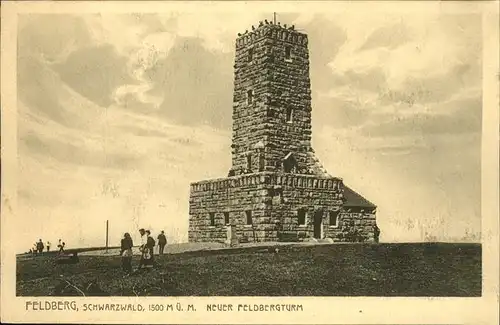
point(212, 219)
point(226, 218)
point(249, 217)
point(301, 217)
point(250, 54)
point(289, 114)
point(261, 162)
point(249, 96)
point(249, 162)
point(288, 53)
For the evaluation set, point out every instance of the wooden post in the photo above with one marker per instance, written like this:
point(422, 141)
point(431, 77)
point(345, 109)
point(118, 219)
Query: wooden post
point(107, 232)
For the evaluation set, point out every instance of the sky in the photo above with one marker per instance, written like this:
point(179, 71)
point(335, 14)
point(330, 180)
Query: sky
point(118, 113)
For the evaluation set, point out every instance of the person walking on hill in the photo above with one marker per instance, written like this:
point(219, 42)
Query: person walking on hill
point(162, 242)
point(149, 259)
point(61, 247)
point(48, 246)
point(40, 246)
point(126, 253)
point(142, 232)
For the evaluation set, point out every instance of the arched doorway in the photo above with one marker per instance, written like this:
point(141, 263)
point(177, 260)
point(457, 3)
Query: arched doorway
point(318, 224)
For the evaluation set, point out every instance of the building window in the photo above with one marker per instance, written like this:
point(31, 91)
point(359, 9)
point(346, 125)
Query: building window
point(288, 53)
point(249, 97)
point(249, 162)
point(212, 218)
point(277, 195)
point(261, 162)
point(301, 217)
point(289, 164)
point(289, 114)
point(249, 217)
point(226, 218)
point(250, 54)
point(334, 218)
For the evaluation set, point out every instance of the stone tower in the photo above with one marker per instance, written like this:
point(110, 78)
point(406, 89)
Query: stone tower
point(272, 103)
point(276, 188)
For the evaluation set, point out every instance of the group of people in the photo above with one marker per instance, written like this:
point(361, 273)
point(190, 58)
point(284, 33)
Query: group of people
point(147, 261)
point(38, 247)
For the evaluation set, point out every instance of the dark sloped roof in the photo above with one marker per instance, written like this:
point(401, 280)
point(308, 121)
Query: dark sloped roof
point(353, 199)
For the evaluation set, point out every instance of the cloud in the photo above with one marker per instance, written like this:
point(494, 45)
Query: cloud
point(121, 30)
point(95, 72)
point(339, 112)
point(195, 84)
point(152, 23)
point(41, 88)
point(90, 66)
point(370, 80)
point(458, 116)
point(389, 78)
point(217, 31)
point(131, 101)
point(435, 88)
point(75, 153)
point(325, 41)
point(421, 56)
point(51, 35)
point(389, 37)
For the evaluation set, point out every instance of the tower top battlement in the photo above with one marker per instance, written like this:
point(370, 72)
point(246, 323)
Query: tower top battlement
point(271, 30)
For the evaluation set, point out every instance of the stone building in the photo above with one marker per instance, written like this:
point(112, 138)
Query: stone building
point(276, 188)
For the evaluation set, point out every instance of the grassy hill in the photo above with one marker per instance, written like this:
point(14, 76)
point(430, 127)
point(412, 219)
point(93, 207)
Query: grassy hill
point(427, 269)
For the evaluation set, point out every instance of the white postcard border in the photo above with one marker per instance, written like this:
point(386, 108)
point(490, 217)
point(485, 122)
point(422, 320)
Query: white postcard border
point(316, 310)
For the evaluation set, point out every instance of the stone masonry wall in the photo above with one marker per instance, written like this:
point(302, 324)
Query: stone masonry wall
point(234, 195)
point(248, 117)
point(273, 198)
point(279, 84)
point(289, 194)
point(353, 221)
